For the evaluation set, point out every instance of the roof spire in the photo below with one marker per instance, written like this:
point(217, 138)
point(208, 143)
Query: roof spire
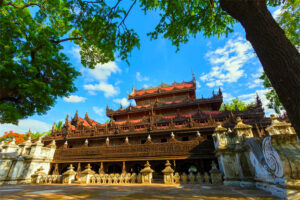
point(86, 116)
point(220, 92)
point(53, 127)
point(258, 101)
point(67, 120)
point(194, 79)
point(133, 89)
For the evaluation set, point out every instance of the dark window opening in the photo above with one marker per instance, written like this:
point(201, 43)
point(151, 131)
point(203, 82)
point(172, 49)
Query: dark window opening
point(185, 138)
point(70, 146)
point(209, 137)
point(163, 140)
point(143, 141)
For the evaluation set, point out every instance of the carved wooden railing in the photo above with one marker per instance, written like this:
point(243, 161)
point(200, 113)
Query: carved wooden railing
point(194, 148)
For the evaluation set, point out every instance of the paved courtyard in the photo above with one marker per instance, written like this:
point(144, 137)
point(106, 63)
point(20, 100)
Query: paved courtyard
point(127, 192)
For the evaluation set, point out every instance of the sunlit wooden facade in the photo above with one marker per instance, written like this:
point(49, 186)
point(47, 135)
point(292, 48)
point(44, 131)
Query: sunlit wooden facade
point(168, 122)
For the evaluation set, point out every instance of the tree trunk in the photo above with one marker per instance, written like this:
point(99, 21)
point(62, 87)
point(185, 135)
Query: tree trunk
point(279, 58)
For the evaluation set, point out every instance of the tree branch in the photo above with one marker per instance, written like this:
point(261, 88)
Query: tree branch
point(66, 39)
point(113, 8)
point(122, 22)
point(21, 7)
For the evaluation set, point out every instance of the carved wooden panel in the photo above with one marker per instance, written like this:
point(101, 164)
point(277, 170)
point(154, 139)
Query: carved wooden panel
point(179, 148)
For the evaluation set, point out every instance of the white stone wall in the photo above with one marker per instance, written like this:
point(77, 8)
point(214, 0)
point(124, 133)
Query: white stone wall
point(19, 162)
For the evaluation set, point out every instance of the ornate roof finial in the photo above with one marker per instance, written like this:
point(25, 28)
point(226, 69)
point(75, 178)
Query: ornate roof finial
point(133, 89)
point(126, 140)
point(172, 135)
point(53, 127)
point(13, 141)
point(220, 92)
point(86, 116)
point(194, 79)
point(29, 138)
point(213, 92)
point(258, 101)
point(107, 141)
point(67, 120)
point(76, 114)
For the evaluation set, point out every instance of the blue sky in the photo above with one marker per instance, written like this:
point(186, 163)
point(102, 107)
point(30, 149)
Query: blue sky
point(229, 63)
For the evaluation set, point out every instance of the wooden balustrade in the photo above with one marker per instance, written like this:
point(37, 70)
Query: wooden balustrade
point(194, 148)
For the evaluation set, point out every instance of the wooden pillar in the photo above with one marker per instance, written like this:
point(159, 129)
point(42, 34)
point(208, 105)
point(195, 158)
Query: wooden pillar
point(202, 166)
point(78, 171)
point(55, 171)
point(124, 168)
point(174, 164)
point(101, 170)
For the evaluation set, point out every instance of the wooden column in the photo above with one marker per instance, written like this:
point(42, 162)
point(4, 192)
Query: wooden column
point(124, 168)
point(101, 170)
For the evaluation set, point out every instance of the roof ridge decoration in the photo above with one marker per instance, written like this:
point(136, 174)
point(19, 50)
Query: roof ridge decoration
point(161, 88)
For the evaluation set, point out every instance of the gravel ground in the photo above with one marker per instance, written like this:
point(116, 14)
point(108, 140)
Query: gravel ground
point(134, 191)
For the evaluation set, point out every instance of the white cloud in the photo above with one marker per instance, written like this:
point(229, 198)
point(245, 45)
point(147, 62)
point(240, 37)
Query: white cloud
point(99, 111)
point(101, 73)
point(227, 62)
point(24, 125)
point(227, 97)
point(141, 78)
point(124, 102)
point(257, 82)
point(108, 89)
point(146, 86)
point(75, 52)
point(198, 84)
point(251, 98)
point(74, 99)
point(277, 12)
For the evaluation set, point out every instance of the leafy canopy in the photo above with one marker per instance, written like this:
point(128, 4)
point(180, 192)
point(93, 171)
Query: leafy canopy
point(235, 104)
point(34, 71)
point(9, 136)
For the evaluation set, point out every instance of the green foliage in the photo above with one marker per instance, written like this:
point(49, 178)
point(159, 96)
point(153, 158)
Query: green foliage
point(289, 20)
point(274, 102)
point(34, 71)
point(58, 126)
point(38, 134)
point(181, 19)
point(236, 104)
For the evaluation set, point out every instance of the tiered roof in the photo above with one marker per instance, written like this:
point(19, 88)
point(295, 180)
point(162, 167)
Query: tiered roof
point(215, 99)
point(163, 89)
point(78, 121)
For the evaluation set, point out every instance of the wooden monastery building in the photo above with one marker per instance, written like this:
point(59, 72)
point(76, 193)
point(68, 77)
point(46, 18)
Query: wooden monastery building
point(167, 123)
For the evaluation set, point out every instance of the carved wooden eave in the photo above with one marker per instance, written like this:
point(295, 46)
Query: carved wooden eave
point(160, 90)
point(159, 106)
